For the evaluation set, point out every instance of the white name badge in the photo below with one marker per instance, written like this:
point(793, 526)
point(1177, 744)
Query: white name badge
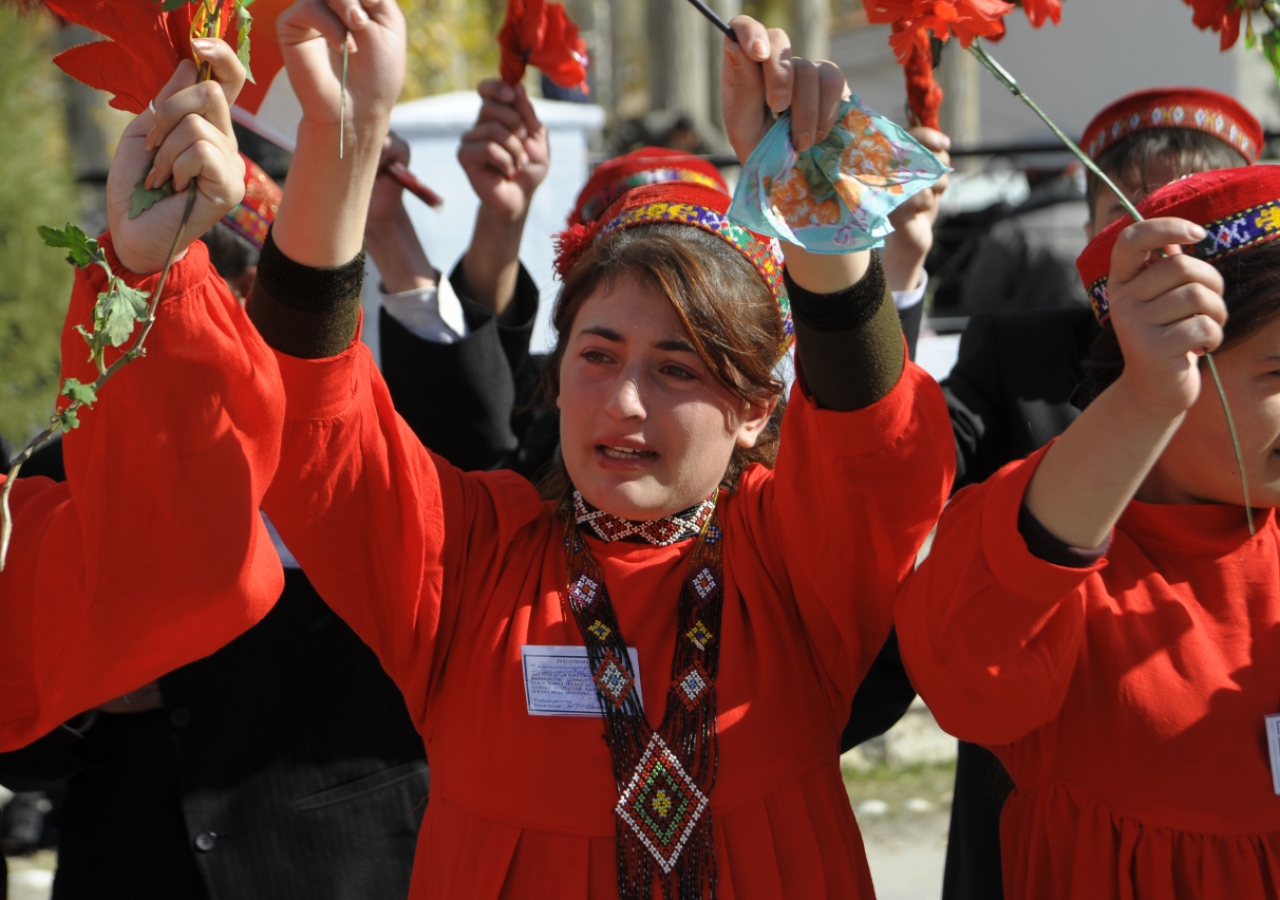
point(558, 682)
point(1273, 747)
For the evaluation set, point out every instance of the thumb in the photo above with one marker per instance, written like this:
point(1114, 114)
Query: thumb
point(742, 98)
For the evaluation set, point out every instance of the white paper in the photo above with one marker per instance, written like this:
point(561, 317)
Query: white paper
point(558, 682)
point(1273, 748)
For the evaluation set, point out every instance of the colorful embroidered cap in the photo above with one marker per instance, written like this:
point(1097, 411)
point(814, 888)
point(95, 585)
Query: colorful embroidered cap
point(252, 218)
point(683, 203)
point(648, 165)
point(1194, 108)
point(1239, 208)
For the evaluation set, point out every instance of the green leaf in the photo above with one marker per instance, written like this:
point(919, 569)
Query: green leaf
point(172, 5)
point(71, 387)
point(244, 22)
point(67, 420)
point(143, 199)
point(1271, 50)
point(84, 249)
point(121, 307)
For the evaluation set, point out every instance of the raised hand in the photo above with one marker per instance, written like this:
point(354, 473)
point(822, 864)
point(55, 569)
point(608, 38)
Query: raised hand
point(193, 143)
point(905, 250)
point(1166, 313)
point(759, 72)
point(506, 155)
point(312, 33)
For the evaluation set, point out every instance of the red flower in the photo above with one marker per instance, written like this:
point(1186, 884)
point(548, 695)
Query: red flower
point(542, 34)
point(924, 94)
point(965, 19)
point(1038, 10)
point(144, 46)
point(1217, 15)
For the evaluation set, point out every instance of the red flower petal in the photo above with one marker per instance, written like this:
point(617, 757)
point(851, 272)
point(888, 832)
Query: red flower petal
point(924, 94)
point(1038, 10)
point(542, 34)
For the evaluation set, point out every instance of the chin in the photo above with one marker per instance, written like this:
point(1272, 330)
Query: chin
point(628, 499)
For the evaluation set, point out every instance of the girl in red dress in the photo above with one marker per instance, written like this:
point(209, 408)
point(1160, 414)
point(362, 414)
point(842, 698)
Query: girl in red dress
point(1100, 615)
point(705, 609)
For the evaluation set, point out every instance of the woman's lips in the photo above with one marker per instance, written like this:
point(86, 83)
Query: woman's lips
point(627, 459)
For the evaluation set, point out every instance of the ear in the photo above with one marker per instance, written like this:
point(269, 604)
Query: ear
point(754, 421)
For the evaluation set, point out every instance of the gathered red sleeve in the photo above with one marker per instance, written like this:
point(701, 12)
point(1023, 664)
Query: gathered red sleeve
point(406, 548)
point(152, 554)
point(991, 634)
point(850, 500)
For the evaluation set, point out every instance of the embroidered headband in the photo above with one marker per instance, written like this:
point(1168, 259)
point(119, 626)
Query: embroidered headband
point(1239, 208)
point(648, 165)
point(1193, 108)
point(683, 203)
point(252, 218)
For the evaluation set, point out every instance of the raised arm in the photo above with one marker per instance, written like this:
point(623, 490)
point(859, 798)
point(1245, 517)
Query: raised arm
point(153, 553)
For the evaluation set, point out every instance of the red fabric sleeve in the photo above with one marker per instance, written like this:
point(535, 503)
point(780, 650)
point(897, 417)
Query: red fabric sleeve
point(152, 554)
point(990, 633)
point(851, 499)
point(406, 548)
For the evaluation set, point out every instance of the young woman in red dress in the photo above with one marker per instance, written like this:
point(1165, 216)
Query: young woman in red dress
point(1099, 615)
point(705, 609)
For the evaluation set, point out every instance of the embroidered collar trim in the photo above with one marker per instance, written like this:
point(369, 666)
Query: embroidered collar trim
point(660, 532)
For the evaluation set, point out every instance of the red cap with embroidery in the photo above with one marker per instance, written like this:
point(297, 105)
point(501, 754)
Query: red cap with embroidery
point(648, 165)
point(683, 203)
point(1195, 108)
point(1239, 208)
point(253, 217)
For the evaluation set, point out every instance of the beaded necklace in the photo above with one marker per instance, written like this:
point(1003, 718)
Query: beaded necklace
point(664, 777)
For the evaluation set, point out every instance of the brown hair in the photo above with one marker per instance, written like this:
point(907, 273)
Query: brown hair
point(1252, 293)
point(723, 302)
point(1187, 150)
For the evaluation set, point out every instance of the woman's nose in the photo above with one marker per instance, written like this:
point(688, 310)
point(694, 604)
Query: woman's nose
point(625, 402)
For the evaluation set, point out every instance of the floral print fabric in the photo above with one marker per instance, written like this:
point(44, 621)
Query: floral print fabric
point(837, 196)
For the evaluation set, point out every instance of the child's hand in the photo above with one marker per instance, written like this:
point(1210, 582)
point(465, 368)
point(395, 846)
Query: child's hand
point(311, 35)
point(758, 72)
point(387, 202)
point(905, 250)
point(1166, 313)
point(193, 143)
point(506, 155)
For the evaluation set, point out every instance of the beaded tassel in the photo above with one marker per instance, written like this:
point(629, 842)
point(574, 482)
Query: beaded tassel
point(664, 777)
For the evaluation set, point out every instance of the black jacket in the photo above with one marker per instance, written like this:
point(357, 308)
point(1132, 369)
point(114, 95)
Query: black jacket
point(1010, 393)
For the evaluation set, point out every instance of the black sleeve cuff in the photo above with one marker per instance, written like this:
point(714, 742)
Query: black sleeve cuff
point(303, 311)
point(845, 310)
point(1044, 545)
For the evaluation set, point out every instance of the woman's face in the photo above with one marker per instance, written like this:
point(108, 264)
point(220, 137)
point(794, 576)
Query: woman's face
point(645, 428)
point(1199, 465)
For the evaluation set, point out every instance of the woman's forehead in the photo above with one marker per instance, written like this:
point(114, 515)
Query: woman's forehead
point(633, 309)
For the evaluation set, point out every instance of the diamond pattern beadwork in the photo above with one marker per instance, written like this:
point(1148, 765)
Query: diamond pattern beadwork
point(700, 635)
point(613, 680)
point(583, 592)
point(660, 532)
point(600, 630)
point(661, 804)
point(692, 685)
point(704, 582)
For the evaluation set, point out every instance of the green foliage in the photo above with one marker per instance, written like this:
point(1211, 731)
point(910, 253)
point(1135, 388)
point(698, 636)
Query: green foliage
point(144, 198)
point(84, 249)
point(36, 186)
point(244, 22)
point(82, 393)
point(452, 44)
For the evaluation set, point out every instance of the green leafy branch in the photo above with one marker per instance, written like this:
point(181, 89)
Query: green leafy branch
point(120, 307)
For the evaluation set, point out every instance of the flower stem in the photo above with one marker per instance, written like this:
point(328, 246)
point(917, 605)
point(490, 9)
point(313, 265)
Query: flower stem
point(1002, 75)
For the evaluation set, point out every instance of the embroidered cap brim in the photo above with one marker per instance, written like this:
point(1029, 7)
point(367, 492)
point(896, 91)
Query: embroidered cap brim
point(1239, 209)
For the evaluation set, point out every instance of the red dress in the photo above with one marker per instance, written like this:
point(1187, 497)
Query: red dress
point(1126, 700)
point(446, 575)
point(149, 556)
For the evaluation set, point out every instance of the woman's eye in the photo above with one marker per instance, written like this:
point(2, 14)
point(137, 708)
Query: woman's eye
point(595, 356)
point(679, 372)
